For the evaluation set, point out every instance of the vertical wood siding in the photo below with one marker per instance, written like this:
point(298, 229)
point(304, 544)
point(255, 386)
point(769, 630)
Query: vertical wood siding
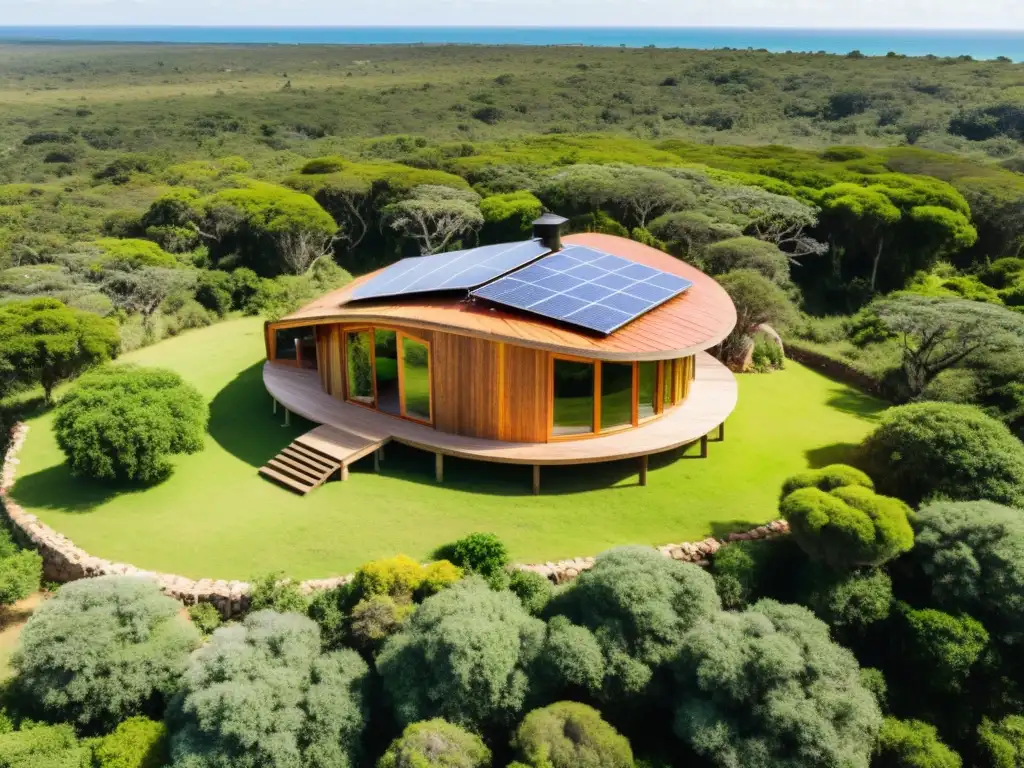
point(525, 406)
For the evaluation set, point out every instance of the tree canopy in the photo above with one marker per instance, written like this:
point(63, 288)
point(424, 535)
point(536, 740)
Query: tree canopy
point(124, 422)
point(436, 744)
point(435, 215)
point(261, 693)
point(767, 687)
point(927, 450)
point(758, 300)
point(568, 734)
point(103, 649)
point(44, 342)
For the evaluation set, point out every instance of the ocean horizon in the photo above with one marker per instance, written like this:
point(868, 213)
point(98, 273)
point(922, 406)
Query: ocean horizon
point(978, 44)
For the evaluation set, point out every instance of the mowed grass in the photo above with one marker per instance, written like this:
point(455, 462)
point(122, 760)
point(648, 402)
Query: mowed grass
point(215, 517)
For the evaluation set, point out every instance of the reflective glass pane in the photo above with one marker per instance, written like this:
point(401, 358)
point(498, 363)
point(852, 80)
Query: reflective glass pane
point(616, 395)
point(385, 363)
point(416, 379)
point(648, 385)
point(574, 398)
point(357, 366)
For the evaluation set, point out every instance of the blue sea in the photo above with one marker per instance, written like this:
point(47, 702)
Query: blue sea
point(978, 44)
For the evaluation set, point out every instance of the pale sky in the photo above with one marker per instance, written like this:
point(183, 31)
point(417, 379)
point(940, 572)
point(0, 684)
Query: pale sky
point(948, 14)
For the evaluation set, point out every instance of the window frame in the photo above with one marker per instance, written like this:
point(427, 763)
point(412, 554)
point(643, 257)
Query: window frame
point(400, 336)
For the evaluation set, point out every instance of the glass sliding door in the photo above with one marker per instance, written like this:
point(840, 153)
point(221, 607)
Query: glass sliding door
point(573, 407)
point(359, 367)
point(616, 395)
point(385, 366)
point(415, 379)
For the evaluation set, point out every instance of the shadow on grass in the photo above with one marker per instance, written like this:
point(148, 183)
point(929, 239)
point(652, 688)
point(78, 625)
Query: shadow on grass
point(722, 528)
point(837, 453)
point(56, 488)
point(856, 403)
point(242, 422)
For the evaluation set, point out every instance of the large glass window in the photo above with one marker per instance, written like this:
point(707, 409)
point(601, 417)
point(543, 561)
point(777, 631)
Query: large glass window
point(616, 395)
point(648, 386)
point(573, 412)
point(385, 361)
point(359, 367)
point(296, 345)
point(415, 379)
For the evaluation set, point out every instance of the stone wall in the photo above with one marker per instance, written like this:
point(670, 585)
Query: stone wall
point(839, 370)
point(63, 561)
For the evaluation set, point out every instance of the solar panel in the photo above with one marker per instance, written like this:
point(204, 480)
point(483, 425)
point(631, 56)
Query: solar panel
point(451, 271)
point(585, 287)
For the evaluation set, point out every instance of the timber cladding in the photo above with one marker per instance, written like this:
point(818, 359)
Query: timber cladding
point(465, 381)
point(525, 406)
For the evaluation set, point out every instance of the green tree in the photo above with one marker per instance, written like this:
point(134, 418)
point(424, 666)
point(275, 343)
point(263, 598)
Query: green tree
point(463, 656)
point(533, 590)
point(971, 559)
point(767, 687)
point(509, 215)
point(938, 333)
point(1002, 743)
point(145, 289)
point(436, 744)
point(44, 746)
point(44, 342)
point(122, 423)
point(866, 210)
point(930, 450)
point(135, 743)
point(942, 648)
point(571, 663)
point(481, 553)
point(847, 526)
point(103, 649)
point(434, 215)
point(568, 734)
point(261, 693)
point(758, 300)
point(638, 604)
point(851, 603)
point(272, 229)
point(20, 570)
point(748, 253)
point(912, 744)
point(274, 592)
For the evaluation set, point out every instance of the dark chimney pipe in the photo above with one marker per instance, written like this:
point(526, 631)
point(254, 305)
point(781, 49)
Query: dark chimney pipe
point(547, 230)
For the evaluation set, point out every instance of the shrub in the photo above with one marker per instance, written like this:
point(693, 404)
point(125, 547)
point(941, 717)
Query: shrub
point(43, 746)
point(374, 620)
point(971, 559)
point(571, 662)
point(437, 575)
point(1002, 743)
point(124, 422)
point(398, 576)
point(943, 648)
point(928, 450)
point(764, 686)
point(213, 291)
point(20, 570)
point(849, 525)
point(758, 300)
point(318, 165)
point(874, 681)
point(436, 744)
point(852, 602)
point(748, 253)
point(273, 592)
point(463, 656)
point(205, 617)
point(135, 743)
point(827, 479)
point(130, 253)
point(746, 571)
point(533, 590)
point(912, 744)
point(568, 734)
point(638, 604)
point(261, 693)
point(103, 649)
point(482, 553)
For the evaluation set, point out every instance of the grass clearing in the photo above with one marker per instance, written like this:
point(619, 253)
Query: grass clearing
point(215, 517)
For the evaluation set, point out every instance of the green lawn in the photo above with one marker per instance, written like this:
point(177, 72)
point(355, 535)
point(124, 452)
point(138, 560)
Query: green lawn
point(215, 517)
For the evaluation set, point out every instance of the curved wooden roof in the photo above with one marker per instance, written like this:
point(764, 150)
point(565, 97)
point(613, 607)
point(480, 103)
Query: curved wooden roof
point(698, 319)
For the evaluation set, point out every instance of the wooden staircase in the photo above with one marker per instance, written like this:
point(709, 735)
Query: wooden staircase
point(313, 458)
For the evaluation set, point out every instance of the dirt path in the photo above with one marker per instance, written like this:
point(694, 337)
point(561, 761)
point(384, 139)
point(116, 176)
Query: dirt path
point(12, 621)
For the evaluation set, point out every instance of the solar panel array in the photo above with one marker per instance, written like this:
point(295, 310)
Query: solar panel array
point(586, 288)
point(450, 271)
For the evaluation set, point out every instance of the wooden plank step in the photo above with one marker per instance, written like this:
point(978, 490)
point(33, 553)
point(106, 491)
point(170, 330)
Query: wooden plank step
point(313, 465)
point(283, 464)
point(286, 481)
point(301, 453)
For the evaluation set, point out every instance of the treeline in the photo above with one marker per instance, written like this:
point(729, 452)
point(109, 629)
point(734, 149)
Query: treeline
point(874, 635)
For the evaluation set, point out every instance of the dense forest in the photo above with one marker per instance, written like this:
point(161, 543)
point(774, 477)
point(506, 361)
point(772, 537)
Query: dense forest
point(870, 209)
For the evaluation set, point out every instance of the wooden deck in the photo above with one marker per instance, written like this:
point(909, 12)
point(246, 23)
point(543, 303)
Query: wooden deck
point(712, 399)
